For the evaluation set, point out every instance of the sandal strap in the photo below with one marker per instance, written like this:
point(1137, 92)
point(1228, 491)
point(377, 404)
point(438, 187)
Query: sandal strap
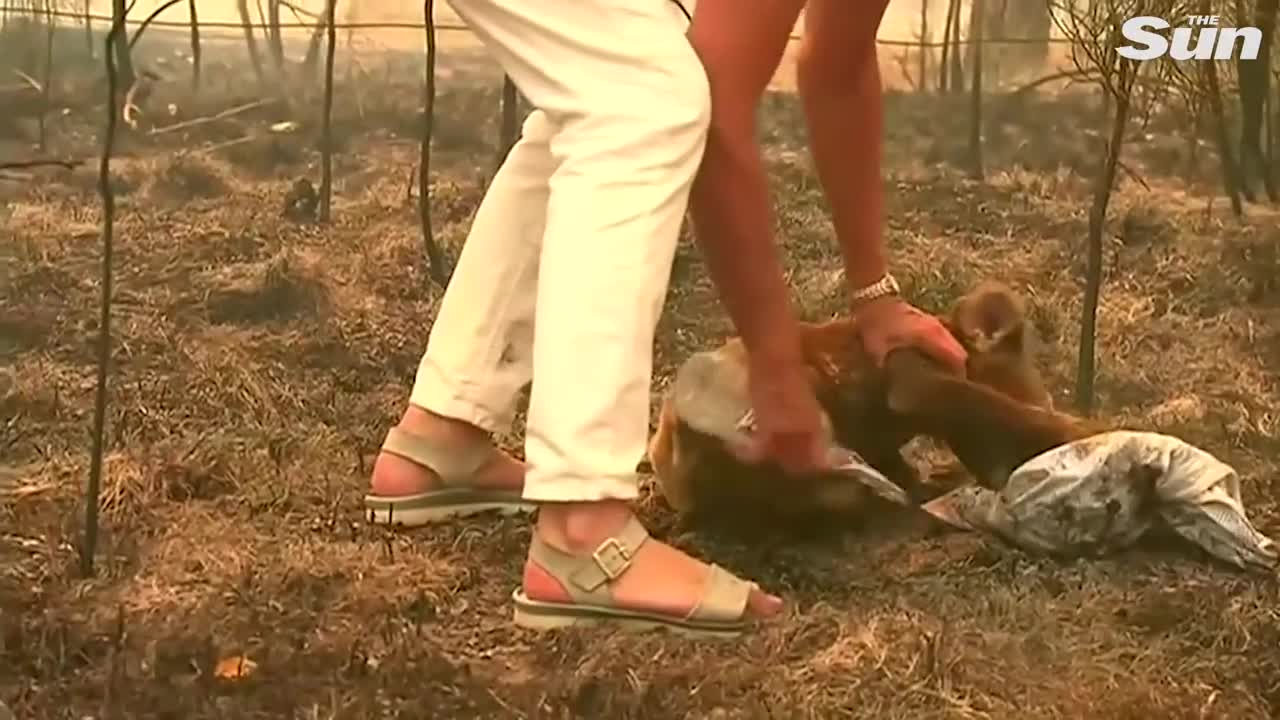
point(724, 599)
point(455, 466)
point(586, 577)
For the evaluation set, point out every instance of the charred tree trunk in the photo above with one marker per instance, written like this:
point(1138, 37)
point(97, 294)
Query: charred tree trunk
point(326, 119)
point(1193, 142)
point(976, 26)
point(944, 63)
point(976, 37)
point(195, 46)
point(1086, 362)
point(509, 126)
point(924, 45)
point(1226, 158)
point(957, 68)
point(435, 257)
point(88, 31)
point(1273, 162)
point(115, 38)
point(312, 57)
point(276, 37)
point(50, 20)
point(1255, 89)
point(250, 40)
point(124, 62)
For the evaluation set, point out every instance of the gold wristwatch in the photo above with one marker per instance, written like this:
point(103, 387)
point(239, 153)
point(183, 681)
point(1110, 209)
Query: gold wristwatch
point(887, 285)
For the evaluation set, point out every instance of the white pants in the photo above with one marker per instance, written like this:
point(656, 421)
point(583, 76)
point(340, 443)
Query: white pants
point(563, 276)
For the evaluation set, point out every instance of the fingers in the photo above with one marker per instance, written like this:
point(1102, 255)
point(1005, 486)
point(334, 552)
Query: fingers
point(947, 350)
point(797, 453)
point(748, 452)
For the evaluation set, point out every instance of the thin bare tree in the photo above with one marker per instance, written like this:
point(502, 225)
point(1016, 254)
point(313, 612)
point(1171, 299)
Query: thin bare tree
point(1094, 38)
point(924, 45)
point(957, 68)
point(510, 123)
point(196, 60)
point(326, 120)
point(976, 37)
point(275, 37)
point(50, 23)
point(1231, 183)
point(250, 40)
point(437, 266)
point(88, 29)
point(944, 65)
point(89, 545)
point(1254, 76)
point(124, 60)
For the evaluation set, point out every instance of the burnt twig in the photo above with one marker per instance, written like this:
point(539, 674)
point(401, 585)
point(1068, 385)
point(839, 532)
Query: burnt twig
point(43, 162)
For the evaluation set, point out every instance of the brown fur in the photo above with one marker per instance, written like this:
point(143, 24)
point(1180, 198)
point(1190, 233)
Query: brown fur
point(990, 321)
point(992, 423)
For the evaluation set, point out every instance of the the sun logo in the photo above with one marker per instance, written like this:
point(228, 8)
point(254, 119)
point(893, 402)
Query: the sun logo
point(1213, 43)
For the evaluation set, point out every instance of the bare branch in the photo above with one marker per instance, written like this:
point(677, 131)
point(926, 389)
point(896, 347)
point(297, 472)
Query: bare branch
point(137, 34)
point(229, 112)
point(43, 162)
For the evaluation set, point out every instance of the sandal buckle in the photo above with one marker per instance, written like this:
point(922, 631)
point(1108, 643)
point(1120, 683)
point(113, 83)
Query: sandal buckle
point(612, 557)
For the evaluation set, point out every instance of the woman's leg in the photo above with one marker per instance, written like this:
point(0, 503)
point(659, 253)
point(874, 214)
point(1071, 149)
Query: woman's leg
point(478, 357)
point(630, 102)
point(838, 75)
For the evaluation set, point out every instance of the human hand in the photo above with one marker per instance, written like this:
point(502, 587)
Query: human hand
point(787, 422)
point(889, 323)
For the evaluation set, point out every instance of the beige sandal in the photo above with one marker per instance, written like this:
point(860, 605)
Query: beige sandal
point(719, 613)
point(458, 497)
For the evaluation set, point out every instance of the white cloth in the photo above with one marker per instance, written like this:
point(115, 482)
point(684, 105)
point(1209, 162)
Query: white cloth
point(564, 273)
point(1102, 493)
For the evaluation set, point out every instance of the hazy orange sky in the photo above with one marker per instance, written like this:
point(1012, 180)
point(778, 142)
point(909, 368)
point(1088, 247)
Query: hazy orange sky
point(901, 20)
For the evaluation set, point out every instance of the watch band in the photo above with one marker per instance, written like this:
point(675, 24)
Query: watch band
point(886, 285)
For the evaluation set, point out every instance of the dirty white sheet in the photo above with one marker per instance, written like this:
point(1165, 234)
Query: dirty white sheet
point(1102, 493)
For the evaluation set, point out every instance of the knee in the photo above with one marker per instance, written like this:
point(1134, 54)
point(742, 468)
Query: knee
point(824, 70)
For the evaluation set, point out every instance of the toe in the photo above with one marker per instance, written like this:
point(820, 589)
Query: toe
point(763, 605)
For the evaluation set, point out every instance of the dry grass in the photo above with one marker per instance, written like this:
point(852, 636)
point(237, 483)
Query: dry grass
point(258, 363)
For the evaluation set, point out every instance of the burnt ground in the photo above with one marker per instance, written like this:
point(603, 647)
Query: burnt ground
point(258, 362)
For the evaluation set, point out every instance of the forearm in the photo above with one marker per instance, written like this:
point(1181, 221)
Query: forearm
point(733, 223)
point(845, 126)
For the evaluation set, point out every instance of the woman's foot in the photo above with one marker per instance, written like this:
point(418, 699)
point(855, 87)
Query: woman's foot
point(659, 579)
point(433, 468)
point(394, 475)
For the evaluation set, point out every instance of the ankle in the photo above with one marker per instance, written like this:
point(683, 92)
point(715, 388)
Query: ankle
point(429, 424)
point(581, 526)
